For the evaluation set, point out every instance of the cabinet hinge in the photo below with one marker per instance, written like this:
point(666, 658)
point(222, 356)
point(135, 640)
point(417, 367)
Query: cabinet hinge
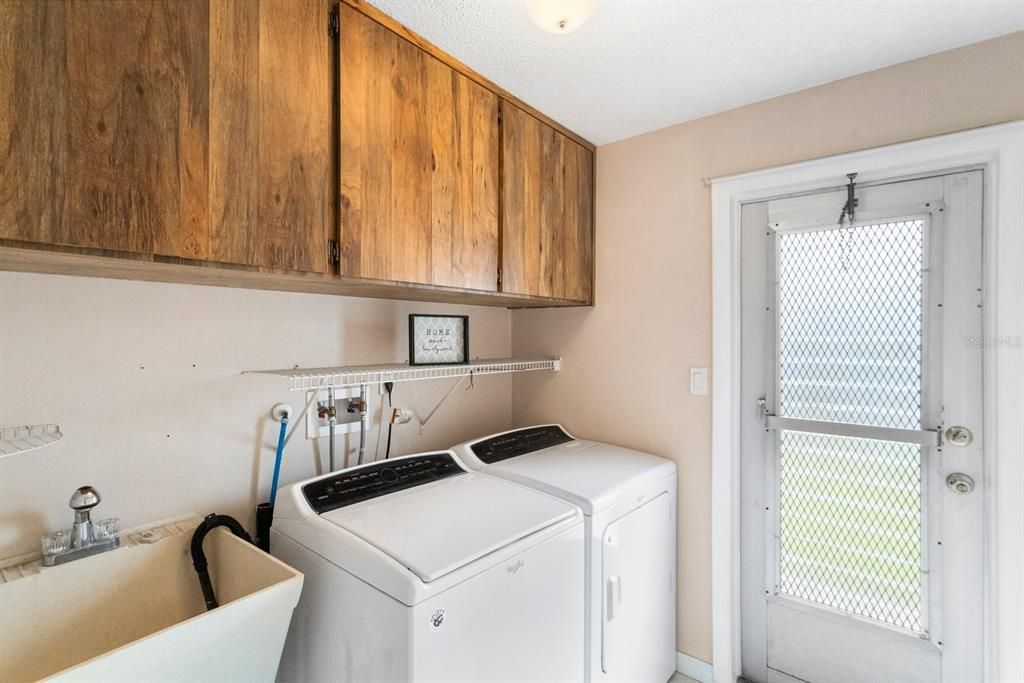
point(499, 278)
point(334, 252)
point(499, 114)
point(333, 25)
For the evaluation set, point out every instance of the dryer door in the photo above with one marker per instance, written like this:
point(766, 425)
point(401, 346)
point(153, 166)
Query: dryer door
point(638, 594)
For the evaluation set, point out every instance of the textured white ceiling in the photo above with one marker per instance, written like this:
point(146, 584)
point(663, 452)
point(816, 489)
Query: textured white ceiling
point(639, 65)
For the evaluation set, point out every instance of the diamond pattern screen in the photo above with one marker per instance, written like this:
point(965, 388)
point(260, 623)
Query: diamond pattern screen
point(850, 350)
point(850, 324)
point(850, 525)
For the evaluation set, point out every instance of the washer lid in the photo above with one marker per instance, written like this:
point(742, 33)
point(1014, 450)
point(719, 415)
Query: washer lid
point(435, 528)
point(586, 473)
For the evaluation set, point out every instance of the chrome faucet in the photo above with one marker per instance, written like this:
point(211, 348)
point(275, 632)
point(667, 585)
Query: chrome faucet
point(85, 537)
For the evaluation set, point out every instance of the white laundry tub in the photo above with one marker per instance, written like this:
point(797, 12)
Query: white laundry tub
point(137, 613)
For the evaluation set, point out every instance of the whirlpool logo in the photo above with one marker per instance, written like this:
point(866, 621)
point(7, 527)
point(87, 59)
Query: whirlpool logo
point(515, 566)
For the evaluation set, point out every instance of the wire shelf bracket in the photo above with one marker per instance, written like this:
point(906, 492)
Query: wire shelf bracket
point(304, 379)
point(21, 439)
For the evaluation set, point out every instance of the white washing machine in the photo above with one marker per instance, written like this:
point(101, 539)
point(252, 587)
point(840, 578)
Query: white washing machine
point(629, 502)
point(418, 569)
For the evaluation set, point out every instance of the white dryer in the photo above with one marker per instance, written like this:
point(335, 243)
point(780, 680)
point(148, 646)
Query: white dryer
point(629, 502)
point(418, 569)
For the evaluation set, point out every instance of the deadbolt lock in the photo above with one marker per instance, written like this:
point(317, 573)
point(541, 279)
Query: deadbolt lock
point(959, 436)
point(960, 483)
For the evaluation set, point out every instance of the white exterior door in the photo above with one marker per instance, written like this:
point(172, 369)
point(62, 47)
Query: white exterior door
point(862, 477)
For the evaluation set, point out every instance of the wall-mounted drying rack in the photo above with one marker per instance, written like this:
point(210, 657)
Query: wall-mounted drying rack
point(20, 439)
point(304, 379)
point(362, 376)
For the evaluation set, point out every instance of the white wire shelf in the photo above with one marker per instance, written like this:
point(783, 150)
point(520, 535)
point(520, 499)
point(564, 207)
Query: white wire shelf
point(302, 379)
point(20, 439)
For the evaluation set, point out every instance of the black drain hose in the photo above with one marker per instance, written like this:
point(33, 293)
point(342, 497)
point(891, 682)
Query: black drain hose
point(209, 523)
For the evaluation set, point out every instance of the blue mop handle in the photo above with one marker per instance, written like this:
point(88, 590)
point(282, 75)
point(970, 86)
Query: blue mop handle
point(277, 459)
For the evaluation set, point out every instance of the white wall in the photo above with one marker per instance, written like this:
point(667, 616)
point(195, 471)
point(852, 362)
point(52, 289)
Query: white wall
point(145, 381)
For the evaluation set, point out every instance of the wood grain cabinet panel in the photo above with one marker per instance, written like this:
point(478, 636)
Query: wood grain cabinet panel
point(33, 120)
point(419, 164)
point(270, 134)
point(547, 210)
point(103, 120)
point(195, 129)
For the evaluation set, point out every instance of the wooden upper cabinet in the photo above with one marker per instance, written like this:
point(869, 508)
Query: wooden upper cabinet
point(547, 210)
point(241, 132)
point(419, 164)
point(271, 93)
point(196, 129)
point(103, 124)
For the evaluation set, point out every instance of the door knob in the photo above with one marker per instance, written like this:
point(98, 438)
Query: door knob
point(959, 436)
point(960, 483)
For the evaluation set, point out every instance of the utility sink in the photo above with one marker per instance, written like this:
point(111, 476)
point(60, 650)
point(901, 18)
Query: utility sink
point(137, 613)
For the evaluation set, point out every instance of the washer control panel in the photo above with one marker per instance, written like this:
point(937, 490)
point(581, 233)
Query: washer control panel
point(519, 442)
point(388, 476)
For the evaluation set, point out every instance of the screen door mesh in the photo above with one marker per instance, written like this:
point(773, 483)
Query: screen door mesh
point(850, 324)
point(850, 309)
point(850, 522)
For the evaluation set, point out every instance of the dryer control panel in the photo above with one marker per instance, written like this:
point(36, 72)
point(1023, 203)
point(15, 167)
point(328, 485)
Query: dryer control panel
point(388, 476)
point(519, 442)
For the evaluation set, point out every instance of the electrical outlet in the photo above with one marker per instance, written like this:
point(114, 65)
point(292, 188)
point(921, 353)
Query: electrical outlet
point(317, 425)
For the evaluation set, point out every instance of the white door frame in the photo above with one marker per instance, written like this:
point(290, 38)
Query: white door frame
point(1000, 151)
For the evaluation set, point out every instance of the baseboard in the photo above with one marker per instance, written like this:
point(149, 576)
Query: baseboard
point(697, 669)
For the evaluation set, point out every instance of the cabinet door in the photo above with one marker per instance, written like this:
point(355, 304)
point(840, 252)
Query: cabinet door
point(103, 124)
point(195, 129)
point(547, 210)
point(419, 164)
point(270, 133)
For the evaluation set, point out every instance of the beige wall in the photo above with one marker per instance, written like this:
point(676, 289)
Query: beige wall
point(625, 377)
point(144, 379)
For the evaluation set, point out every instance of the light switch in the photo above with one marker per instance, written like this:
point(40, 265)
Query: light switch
point(698, 381)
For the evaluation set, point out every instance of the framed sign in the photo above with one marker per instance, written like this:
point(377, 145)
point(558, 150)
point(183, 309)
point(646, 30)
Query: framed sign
point(438, 339)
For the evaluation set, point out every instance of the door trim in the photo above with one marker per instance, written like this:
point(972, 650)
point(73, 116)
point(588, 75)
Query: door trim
point(999, 150)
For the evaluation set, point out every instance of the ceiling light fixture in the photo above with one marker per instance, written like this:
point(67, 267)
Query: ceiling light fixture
point(559, 16)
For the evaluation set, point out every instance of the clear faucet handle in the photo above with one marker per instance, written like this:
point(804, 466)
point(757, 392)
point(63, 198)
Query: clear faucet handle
point(84, 498)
